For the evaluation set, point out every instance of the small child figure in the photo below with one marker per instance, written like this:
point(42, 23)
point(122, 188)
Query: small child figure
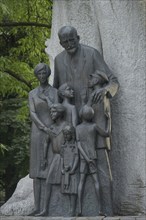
point(69, 163)
point(86, 134)
point(56, 139)
point(67, 93)
point(97, 81)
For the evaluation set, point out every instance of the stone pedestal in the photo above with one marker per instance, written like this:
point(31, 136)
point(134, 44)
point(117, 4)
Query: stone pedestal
point(74, 218)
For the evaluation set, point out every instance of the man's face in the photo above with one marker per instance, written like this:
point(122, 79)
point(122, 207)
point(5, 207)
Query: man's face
point(70, 42)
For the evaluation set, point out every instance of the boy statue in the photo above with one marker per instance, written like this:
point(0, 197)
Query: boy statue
point(86, 134)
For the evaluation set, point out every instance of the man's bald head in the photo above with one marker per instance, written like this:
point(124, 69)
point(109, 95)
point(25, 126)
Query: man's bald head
point(69, 39)
point(65, 30)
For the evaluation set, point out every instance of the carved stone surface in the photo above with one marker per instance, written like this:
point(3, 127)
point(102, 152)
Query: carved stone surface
point(117, 30)
point(73, 69)
point(21, 202)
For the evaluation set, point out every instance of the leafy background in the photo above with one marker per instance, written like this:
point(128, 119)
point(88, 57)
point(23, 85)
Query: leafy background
point(24, 27)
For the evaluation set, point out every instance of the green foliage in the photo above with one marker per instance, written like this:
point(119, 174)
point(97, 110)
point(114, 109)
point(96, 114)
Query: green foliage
point(3, 148)
point(22, 47)
point(24, 28)
point(14, 134)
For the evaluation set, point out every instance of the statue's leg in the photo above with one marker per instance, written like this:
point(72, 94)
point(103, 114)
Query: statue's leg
point(96, 184)
point(73, 200)
point(37, 192)
point(80, 191)
point(46, 200)
point(105, 181)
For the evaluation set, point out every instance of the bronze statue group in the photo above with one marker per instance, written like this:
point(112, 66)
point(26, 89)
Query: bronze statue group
point(71, 126)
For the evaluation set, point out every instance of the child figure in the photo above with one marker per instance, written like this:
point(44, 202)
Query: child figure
point(69, 162)
point(97, 81)
point(86, 134)
point(56, 139)
point(67, 93)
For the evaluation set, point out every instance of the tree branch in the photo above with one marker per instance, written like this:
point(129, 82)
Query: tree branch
point(18, 77)
point(15, 24)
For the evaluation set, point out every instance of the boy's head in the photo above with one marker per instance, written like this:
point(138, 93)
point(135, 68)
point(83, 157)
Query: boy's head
point(57, 111)
point(69, 133)
point(87, 113)
point(97, 78)
point(65, 91)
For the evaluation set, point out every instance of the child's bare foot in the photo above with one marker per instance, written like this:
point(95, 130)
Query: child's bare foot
point(34, 213)
point(102, 214)
point(79, 214)
point(43, 213)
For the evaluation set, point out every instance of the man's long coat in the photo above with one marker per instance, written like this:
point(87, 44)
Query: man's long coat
point(77, 71)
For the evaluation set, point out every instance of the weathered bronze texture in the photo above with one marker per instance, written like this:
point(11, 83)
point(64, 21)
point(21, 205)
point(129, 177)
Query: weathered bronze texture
point(71, 131)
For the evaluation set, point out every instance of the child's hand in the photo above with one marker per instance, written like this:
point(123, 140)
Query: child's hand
point(71, 172)
point(46, 130)
point(99, 95)
point(63, 171)
point(90, 161)
point(66, 186)
point(67, 168)
point(91, 164)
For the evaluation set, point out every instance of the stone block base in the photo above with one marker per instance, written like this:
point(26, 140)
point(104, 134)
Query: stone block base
point(73, 218)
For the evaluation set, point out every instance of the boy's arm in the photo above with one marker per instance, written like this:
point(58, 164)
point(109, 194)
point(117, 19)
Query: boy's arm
point(46, 146)
point(74, 117)
point(82, 152)
point(80, 147)
point(90, 100)
point(62, 167)
point(61, 154)
point(102, 132)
